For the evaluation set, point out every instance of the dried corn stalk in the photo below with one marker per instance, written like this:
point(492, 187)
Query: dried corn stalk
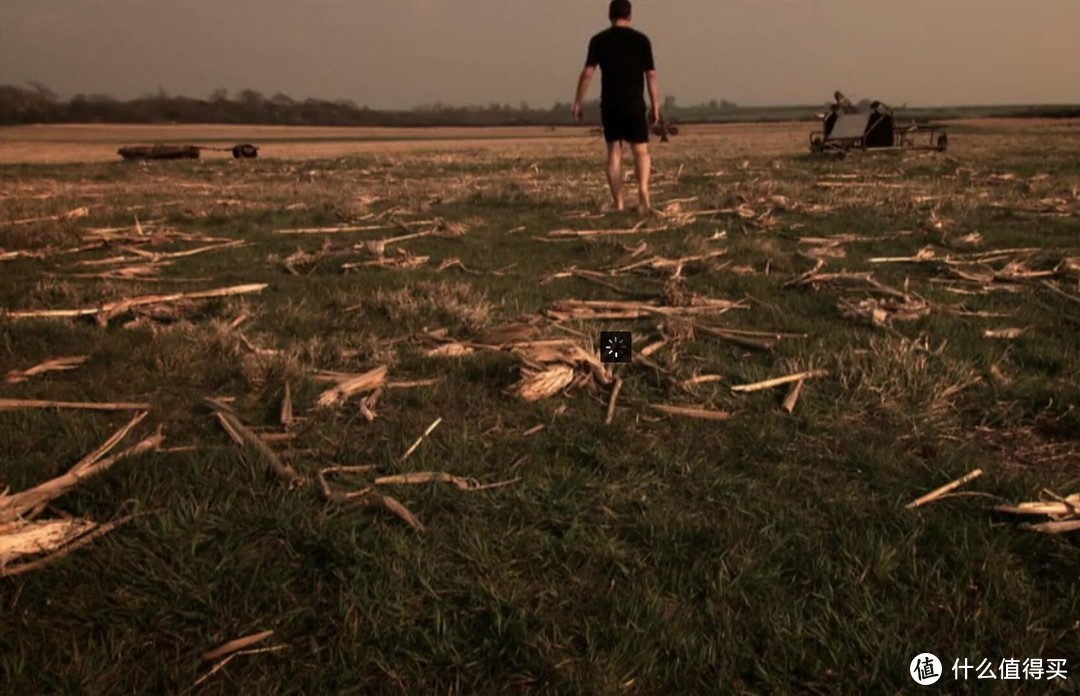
point(364, 498)
point(34, 538)
point(49, 541)
point(449, 350)
point(235, 645)
point(692, 412)
point(938, 493)
point(111, 309)
point(50, 365)
point(242, 435)
point(780, 381)
point(358, 384)
point(601, 309)
point(403, 260)
point(14, 404)
point(1004, 333)
point(16, 506)
point(287, 417)
point(537, 384)
point(882, 312)
point(419, 477)
point(21, 535)
point(1064, 513)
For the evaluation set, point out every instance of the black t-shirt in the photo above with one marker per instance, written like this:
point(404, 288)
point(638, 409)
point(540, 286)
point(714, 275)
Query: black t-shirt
point(624, 56)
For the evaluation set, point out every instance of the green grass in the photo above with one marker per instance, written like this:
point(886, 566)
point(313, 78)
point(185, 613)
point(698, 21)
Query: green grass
point(768, 554)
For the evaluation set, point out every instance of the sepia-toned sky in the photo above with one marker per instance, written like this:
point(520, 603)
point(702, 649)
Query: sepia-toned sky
point(401, 53)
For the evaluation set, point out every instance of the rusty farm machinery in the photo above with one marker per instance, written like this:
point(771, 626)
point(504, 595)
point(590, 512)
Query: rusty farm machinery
point(847, 127)
point(172, 152)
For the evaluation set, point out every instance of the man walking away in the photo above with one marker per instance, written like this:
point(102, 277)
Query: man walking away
point(625, 59)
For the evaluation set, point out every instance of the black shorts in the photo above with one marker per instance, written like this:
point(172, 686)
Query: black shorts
point(630, 125)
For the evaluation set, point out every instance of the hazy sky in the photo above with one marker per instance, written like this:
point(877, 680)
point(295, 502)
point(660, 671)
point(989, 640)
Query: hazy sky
point(400, 53)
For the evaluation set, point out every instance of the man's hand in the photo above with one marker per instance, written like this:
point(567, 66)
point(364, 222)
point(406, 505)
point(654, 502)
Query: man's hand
point(582, 90)
point(654, 114)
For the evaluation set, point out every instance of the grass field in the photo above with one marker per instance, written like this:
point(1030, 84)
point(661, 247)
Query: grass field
point(758, 551)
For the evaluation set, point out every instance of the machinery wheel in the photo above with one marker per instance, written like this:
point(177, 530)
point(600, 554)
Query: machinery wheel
point(245, 151)
point(817, 144)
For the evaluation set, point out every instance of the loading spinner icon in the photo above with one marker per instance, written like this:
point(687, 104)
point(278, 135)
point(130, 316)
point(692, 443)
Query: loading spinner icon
point(615, 347)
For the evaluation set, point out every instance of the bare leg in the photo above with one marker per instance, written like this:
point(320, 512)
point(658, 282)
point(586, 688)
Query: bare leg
point(614, 173)
point(642, 167)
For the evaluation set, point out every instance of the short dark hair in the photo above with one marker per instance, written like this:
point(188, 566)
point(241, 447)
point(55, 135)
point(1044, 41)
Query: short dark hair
point(619, 9)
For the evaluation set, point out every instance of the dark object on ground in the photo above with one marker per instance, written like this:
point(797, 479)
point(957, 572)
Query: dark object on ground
point(245, 151)
point(170, 152)
point(159, 152)
point(846, 127)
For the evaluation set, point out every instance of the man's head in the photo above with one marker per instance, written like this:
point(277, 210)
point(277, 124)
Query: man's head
point(619, 11)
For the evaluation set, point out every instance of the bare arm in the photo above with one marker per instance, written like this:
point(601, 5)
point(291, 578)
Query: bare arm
point(582, 89)
point(654, 94)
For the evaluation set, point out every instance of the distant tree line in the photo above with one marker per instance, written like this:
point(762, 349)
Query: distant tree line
point(36, 103)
